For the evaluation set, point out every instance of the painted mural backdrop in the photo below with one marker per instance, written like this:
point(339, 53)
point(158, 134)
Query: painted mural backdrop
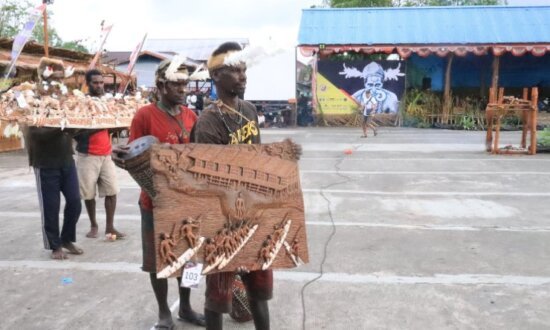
point(343, 86)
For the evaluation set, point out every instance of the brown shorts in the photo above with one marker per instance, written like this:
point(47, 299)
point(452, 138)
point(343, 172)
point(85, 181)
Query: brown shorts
point(258, 284)
point(96, 176)
point(148, 241)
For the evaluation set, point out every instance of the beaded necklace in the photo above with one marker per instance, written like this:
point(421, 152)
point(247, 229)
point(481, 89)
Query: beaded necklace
point(183, 133)
point(220, 104)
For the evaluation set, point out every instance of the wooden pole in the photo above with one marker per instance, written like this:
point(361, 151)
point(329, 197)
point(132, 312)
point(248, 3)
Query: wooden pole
point(489, 115)
point(493, 98)
point(496, 68)
point(46, 41)
point(533, 120)
point(525, 120)
point(447, 94)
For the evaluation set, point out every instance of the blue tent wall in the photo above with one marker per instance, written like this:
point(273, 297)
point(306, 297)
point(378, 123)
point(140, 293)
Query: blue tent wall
point(467, 71)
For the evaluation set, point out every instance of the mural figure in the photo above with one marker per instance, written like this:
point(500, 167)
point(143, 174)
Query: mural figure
point(374, 76)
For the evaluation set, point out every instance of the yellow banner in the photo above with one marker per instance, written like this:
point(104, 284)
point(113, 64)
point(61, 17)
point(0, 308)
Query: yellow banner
point(333, 101)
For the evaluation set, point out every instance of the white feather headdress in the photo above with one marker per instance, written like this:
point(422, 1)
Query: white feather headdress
point(250, 56)
point(200, 73)
point(173, 72)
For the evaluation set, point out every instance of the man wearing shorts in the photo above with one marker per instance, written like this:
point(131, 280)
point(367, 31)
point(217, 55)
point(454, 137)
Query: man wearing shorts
point(231, 121)
point(170, 122)
point(96, 170)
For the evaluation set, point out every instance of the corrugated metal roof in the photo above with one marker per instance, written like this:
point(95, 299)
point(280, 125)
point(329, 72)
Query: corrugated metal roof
point(425, 25)
point(197, 49)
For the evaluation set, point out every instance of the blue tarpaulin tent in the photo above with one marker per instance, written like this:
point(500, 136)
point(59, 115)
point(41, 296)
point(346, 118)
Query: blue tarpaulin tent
point(517, 38)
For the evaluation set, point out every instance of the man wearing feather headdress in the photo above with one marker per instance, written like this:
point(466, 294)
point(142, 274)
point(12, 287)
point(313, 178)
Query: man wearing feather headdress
point(170, 122)
point(230, 120)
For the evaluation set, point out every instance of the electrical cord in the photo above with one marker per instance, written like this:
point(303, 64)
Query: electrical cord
point(346, 179)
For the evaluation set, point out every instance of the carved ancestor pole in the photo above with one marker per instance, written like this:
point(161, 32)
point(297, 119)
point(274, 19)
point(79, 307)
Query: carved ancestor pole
point(447, 93)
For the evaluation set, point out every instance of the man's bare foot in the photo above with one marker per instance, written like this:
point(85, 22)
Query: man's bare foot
point(92, 233)
point(73, 249)
point(165, 323)
point(115, 232)
point(59, 254)
point(192, 317)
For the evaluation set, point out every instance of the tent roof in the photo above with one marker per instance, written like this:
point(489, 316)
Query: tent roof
point(427, 30)
point(426, 25)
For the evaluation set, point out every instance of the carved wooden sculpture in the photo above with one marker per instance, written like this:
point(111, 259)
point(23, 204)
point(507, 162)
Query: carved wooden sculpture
point(228, 202)
point(500, 106)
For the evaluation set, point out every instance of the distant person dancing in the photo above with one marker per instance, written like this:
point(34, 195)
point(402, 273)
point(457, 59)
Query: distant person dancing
point(369, 104)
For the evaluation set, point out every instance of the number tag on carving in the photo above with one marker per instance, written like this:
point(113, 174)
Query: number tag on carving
point(191, 275)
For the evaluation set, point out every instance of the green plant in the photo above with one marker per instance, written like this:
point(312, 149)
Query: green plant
point(543, 137)
point(468, 123)
point(420, 107)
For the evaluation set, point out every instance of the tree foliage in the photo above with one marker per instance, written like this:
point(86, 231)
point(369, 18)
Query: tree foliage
point(413, 3)
point(14, 16)
point(360, 3)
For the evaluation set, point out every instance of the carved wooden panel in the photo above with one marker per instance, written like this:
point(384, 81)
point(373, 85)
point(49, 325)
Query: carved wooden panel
point(231, 207)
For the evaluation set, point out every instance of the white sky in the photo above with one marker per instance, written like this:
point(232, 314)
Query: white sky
point(257, 20)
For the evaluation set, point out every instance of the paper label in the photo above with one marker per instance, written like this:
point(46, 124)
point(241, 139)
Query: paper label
point(191, 275)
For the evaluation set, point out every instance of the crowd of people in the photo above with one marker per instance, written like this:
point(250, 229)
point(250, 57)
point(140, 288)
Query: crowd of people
point(175, 117)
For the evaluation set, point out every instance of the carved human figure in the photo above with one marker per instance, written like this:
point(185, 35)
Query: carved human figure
point(186, 231)
point(239, 207)
point(265, 251)
point(278, 233)
point(228, 244)
point(166, 245)
point(209, 251)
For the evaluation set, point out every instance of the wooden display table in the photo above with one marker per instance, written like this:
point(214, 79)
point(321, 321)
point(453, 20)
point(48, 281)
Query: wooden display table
point(499, 107)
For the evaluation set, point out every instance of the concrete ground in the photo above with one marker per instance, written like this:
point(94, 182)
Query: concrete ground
point(416, 229)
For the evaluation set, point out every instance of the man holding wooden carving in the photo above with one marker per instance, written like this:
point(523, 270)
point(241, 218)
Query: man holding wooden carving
point(232, 121)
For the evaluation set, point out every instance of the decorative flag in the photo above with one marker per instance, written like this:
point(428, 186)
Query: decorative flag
point(104, 34)
point(135, 54)
point(23, 36)
point(133, 59)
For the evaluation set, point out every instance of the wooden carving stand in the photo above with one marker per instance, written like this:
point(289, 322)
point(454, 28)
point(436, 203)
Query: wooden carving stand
point(499, 107)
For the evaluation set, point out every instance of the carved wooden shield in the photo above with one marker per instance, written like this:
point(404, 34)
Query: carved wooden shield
point(236, 207)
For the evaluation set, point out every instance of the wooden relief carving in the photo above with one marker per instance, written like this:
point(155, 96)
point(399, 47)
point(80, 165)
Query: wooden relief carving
point(232, 207)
